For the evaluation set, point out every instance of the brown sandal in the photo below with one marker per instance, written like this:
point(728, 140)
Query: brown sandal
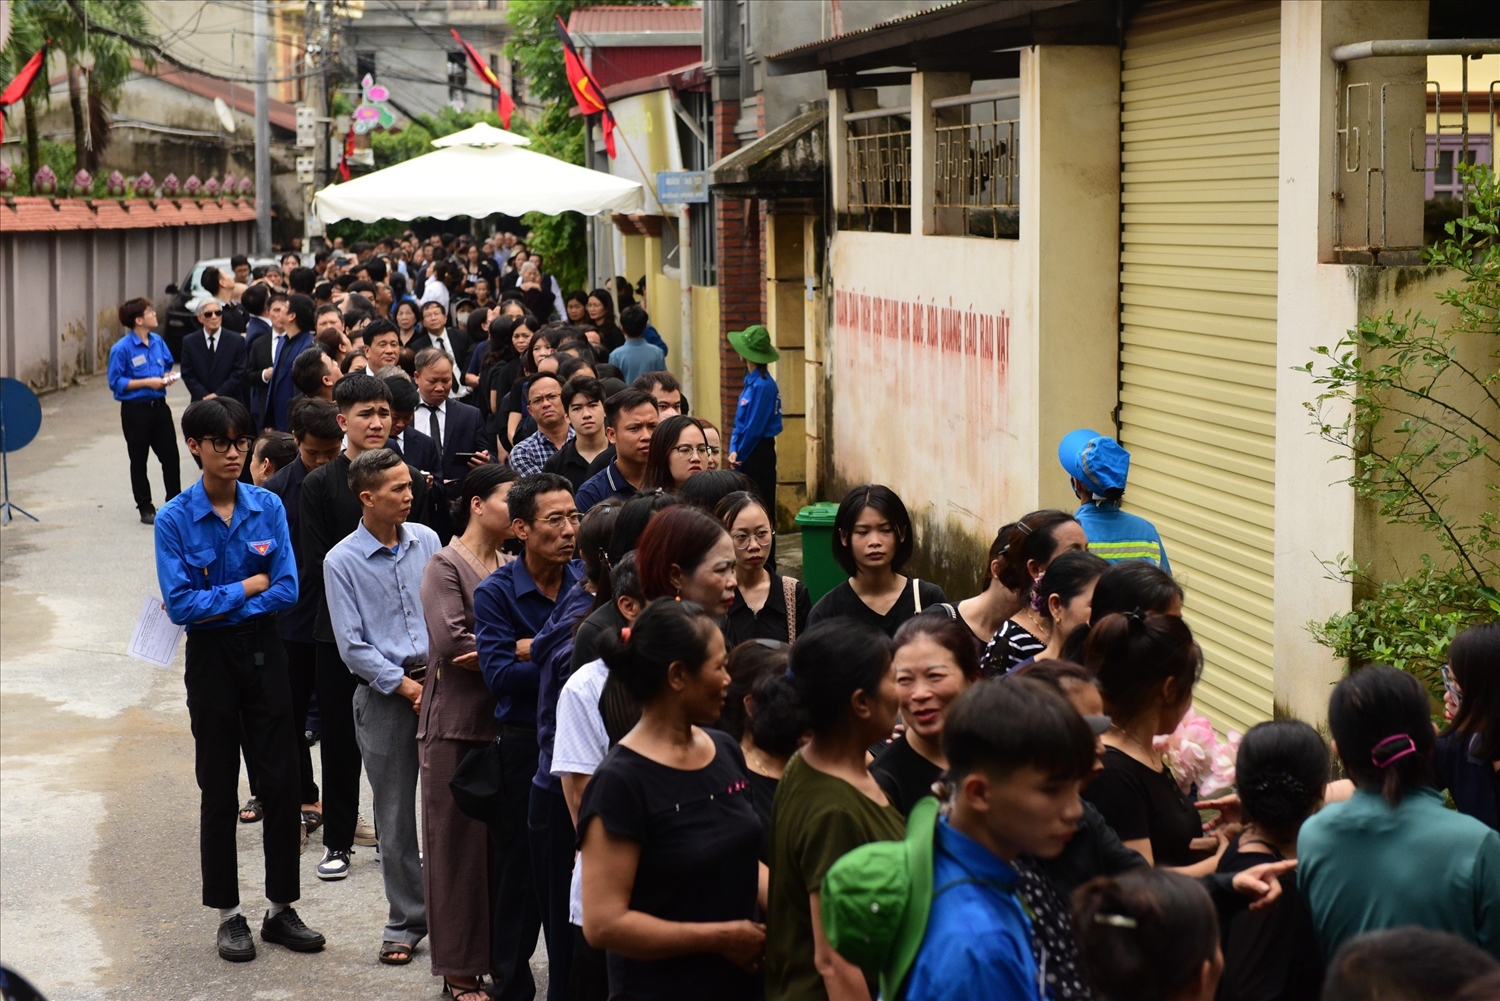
point(396, 953)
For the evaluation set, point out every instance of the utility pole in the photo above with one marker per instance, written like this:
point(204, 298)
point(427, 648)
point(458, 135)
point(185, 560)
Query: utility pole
point(262, 128)
point(316, 98)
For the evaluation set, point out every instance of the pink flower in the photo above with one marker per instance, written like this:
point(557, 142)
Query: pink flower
point(1188, 751)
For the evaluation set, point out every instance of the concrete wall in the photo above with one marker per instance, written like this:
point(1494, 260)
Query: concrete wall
point(956, 364)
point(59, 291)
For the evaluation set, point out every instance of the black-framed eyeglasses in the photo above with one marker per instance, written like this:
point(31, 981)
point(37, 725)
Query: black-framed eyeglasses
point(221, 445)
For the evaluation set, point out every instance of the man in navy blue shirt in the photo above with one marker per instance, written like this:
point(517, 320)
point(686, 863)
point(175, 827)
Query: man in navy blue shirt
point(224, 562)
point(630, 418)
point(140, 370)
point(510, 606)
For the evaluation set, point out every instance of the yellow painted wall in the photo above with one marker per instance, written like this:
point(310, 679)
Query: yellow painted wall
point(705, 395)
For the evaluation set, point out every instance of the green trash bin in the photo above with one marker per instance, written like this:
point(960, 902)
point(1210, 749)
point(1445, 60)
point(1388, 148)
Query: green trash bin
point(820, 571)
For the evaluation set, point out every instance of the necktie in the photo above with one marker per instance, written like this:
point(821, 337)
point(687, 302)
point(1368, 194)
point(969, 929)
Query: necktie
point(434, 429)
point(212, 342)
point(442, 346)
point(276, 348)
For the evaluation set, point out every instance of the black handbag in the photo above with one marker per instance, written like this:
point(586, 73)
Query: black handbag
point(478, 783)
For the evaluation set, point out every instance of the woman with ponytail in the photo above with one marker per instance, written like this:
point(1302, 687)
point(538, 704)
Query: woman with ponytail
point(1147, 666)
point(668, 831)
point(1393, 854)
point(457, 716)
point(1035, 541)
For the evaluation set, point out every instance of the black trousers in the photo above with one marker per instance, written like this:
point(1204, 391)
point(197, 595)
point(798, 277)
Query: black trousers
point(550, 828)
point(148, 428)
point(588, 976)
point(237, 675)
point(340, 749)
point(517, 920)
point(760, 466)
point(302, 670)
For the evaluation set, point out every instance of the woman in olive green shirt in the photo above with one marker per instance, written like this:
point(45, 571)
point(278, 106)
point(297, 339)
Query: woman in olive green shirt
point(827, 803)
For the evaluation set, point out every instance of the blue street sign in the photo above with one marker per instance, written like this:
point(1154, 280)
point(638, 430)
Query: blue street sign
point(682, 187)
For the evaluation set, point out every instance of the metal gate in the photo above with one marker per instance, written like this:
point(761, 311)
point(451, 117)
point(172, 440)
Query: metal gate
point(1200, 105)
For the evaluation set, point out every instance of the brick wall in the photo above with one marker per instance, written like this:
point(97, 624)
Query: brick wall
point(742, 285)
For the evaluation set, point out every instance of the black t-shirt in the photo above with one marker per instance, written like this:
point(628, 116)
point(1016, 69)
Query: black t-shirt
point(1269, 955)
point(586, 639)
point(567, 462)
point(843, 601)
point(1140, 803)
point(772, 621)
point(903, 774)
point(700, 839)
point(1095, 850)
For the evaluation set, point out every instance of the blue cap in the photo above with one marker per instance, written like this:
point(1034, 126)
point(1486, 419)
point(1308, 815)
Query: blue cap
point(1095, 460)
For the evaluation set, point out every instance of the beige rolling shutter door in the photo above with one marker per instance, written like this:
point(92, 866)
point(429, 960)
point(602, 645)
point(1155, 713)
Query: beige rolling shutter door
point(1199, 120)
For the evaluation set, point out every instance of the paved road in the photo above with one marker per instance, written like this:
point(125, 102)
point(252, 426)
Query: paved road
point(99, 883)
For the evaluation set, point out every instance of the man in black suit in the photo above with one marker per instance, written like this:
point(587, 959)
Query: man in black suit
point(435, 333)
point(456, 428)
point(260, 352)
point(412, 445)
point(213, 359)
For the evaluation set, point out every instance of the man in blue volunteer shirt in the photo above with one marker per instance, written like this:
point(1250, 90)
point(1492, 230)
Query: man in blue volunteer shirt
point(140, 370)
point(224, 562)
point(757, 417)
point(1097, 467)
point(510, 606)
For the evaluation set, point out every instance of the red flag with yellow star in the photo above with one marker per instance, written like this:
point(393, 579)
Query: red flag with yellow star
point(586, 89)
point(503, 104)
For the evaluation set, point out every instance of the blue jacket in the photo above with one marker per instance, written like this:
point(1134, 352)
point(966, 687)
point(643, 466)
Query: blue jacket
point(280, 391)
point(552, 653)
point(130, 359)
point(200, 561)
point(1118, 535)
point(978, 940)
point(758, 415)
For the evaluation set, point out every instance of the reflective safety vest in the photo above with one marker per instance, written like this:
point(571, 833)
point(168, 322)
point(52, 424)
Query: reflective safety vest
point(1118, 535)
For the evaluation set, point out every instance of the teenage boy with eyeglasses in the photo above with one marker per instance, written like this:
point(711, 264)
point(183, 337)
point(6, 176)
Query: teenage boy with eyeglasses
point(510, 606)
point(224, 562)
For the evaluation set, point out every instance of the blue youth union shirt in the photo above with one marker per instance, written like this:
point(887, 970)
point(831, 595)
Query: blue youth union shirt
point(130, 359)
point(200, 561)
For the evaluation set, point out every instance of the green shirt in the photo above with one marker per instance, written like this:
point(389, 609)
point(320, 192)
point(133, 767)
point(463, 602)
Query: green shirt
point(1364, 866)
point(815, 819)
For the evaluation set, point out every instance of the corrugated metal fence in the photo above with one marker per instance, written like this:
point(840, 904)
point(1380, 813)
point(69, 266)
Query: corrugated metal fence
point(67, 264)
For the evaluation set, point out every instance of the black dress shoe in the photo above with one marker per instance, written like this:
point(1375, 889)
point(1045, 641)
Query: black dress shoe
point(148, 517)
point(287, 929)
point(236, 944)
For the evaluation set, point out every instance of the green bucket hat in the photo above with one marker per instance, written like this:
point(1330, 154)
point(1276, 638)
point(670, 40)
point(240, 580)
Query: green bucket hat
point(754, 344)
point(875, 900)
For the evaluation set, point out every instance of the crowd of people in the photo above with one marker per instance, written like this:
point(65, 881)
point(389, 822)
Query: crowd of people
point(553, 635)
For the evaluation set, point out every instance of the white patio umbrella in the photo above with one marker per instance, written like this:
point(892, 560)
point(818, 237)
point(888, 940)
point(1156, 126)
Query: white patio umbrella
point(476, 172)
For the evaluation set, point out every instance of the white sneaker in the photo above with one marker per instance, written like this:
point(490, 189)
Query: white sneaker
point(335, 865)
point(364, 832)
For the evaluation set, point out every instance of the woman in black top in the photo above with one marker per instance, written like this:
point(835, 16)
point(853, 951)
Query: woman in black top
point(766, 605)
point(667, 828)
point(1147, 666)
point(934, 662)
point(1466, 760)
point(1035, 541)
point(1273, 954)
point(601, 313)
point(872, 541)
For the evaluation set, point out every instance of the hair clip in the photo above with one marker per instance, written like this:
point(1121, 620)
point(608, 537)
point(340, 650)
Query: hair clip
point(1116, 920)
point(1135, 617)
point(1023, 528)
point(1400, 743)
point(625, 635)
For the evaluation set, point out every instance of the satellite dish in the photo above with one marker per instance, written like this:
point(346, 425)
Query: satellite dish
point(226, 117)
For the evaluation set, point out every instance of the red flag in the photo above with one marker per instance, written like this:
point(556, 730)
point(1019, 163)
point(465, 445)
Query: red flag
point(17, 88)
point(586, 90)
point(348, 152)
point(503, 104)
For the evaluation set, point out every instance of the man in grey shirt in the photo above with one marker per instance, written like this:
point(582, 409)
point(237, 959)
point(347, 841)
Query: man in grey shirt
point(373, 579)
